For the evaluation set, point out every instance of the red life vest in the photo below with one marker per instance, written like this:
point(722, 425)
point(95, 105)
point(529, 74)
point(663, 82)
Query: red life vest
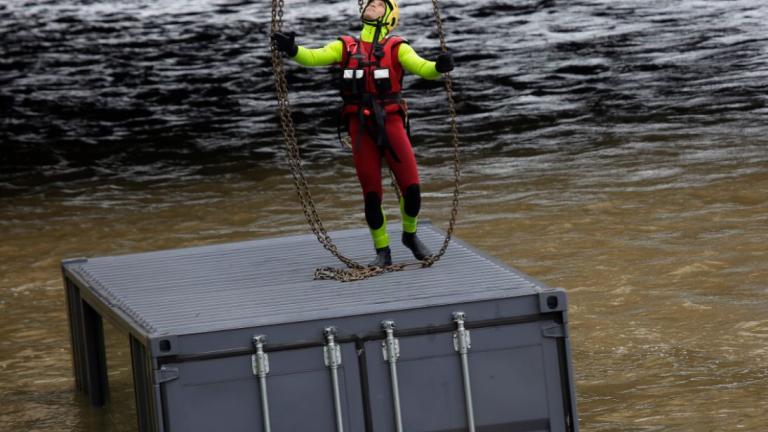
point(368, 76)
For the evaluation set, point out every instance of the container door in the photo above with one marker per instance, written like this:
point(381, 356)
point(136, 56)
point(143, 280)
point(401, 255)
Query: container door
point(223, 394)
point(514, 371)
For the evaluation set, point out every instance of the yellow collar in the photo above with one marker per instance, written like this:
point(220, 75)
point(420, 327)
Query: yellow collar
point(368, 31)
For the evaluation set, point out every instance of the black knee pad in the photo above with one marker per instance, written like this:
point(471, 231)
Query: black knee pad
point(412, 200)
point(373, 213)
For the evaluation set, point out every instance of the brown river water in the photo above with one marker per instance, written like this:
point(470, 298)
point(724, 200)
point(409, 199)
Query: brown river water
point(667, 280)
point(616, 149)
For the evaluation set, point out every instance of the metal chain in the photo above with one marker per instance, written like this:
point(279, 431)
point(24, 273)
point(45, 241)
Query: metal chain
point(355, 270)
point(292, 148)
point(454, 142)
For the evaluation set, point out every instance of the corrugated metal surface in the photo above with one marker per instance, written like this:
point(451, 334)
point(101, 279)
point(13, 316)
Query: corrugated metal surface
point(269, 281)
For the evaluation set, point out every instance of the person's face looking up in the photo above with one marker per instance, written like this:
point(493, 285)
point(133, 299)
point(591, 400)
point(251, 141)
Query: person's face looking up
point(375, 10)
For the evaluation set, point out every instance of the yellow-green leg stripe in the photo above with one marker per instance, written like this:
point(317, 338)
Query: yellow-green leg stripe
point(409, 222)
point(379, 235)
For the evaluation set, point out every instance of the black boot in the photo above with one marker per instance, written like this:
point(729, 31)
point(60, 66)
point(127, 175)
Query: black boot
point(412, 242)
point(383, 258)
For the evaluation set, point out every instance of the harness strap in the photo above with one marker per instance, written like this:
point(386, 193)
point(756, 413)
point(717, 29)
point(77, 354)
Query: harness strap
point(368, 103)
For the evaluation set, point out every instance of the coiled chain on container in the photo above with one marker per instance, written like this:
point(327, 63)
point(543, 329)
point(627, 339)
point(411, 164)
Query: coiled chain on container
point(355, 270)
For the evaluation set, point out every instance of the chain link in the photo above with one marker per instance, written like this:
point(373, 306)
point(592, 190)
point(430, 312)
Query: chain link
point(349, 275)
point(355, 270)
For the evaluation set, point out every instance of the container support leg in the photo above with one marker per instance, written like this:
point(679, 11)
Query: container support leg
point(260, 365)
point(332, 352)
point(391, 349)
point(95, 355)
point(462, 344)
point(75, 313)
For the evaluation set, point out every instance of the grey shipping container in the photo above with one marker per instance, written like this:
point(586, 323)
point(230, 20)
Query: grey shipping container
point(239, 337)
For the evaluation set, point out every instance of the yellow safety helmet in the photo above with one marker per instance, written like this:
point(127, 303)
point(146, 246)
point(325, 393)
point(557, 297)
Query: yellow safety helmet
point(391, 17)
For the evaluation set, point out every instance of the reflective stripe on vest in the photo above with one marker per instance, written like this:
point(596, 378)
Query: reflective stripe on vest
point(362, 72)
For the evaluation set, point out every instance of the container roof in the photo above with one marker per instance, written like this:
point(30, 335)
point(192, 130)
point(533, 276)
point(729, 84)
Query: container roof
point(270, 281)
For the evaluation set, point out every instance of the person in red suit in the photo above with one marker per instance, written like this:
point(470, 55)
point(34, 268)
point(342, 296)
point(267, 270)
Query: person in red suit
point(374, 113)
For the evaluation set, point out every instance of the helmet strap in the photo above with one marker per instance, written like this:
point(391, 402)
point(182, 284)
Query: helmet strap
point(378, 51)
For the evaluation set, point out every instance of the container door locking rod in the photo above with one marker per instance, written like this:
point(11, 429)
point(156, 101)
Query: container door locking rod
point(462, 344)
point(391, 349)
point(260, 366)
point(332, 354)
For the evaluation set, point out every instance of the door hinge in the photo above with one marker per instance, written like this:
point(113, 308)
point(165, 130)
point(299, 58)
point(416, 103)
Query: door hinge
point(332, 350)
point(390, 347)
point(462, 342)
point(165, 374)
point(260, 360)
point(554, 331)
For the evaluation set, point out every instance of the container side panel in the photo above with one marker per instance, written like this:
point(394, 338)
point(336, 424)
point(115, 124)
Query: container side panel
point(224, 394)
point(512, 384)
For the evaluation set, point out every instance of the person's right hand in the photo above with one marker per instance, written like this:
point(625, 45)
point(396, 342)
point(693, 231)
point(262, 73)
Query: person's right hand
point(286, 43)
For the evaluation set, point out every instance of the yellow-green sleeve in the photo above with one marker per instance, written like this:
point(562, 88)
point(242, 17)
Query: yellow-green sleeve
point(327, 55)
point(416, 65)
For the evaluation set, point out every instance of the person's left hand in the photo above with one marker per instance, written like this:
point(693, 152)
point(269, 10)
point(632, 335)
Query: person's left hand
point(444, 62)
